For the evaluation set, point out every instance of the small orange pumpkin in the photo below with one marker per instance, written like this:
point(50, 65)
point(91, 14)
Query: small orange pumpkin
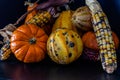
point(89, 40)
point(28, 43)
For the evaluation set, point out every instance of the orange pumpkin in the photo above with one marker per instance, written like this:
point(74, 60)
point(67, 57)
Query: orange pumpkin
point(89, 40)
point(28, 43)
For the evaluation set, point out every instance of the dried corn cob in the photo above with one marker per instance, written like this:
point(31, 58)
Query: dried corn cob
point(5, 52)
point(40, 19)
point(6, 33)
point(103, 34)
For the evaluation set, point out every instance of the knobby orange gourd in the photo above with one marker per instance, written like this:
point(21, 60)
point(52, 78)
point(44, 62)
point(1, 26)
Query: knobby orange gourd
point(28, 43)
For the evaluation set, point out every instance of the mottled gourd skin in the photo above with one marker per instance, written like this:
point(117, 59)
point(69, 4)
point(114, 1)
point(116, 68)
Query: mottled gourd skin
point(64, 46)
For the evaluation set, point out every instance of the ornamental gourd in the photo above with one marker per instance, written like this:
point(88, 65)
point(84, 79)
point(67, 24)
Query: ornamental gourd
point(28, 43)
point(64, 21)
point(81, 18)
point(64, 46)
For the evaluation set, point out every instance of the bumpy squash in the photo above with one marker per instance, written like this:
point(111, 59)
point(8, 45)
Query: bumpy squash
point(64, 46)
point(64, 21)
point(28, 43)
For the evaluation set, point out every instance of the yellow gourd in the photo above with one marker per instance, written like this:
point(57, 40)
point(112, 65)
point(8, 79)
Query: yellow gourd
point(64, 21)
point(64, 46)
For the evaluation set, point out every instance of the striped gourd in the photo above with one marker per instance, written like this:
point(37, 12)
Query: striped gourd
point(81, 18)
point(40, 19)
point(103, 34)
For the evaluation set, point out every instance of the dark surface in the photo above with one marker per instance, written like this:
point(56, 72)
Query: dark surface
point(11, 10)
point(47, 70)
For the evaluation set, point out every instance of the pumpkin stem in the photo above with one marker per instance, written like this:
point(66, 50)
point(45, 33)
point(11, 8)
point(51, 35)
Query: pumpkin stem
point(32, 41)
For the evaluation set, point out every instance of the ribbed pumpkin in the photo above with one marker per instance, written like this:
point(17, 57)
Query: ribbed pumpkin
point(64, 21)
point(28, 43)
point(64, 46)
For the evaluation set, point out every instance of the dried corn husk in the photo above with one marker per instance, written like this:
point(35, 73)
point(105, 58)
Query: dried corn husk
point(6, 33)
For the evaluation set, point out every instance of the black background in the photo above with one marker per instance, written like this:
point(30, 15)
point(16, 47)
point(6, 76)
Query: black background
point(11, 10)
